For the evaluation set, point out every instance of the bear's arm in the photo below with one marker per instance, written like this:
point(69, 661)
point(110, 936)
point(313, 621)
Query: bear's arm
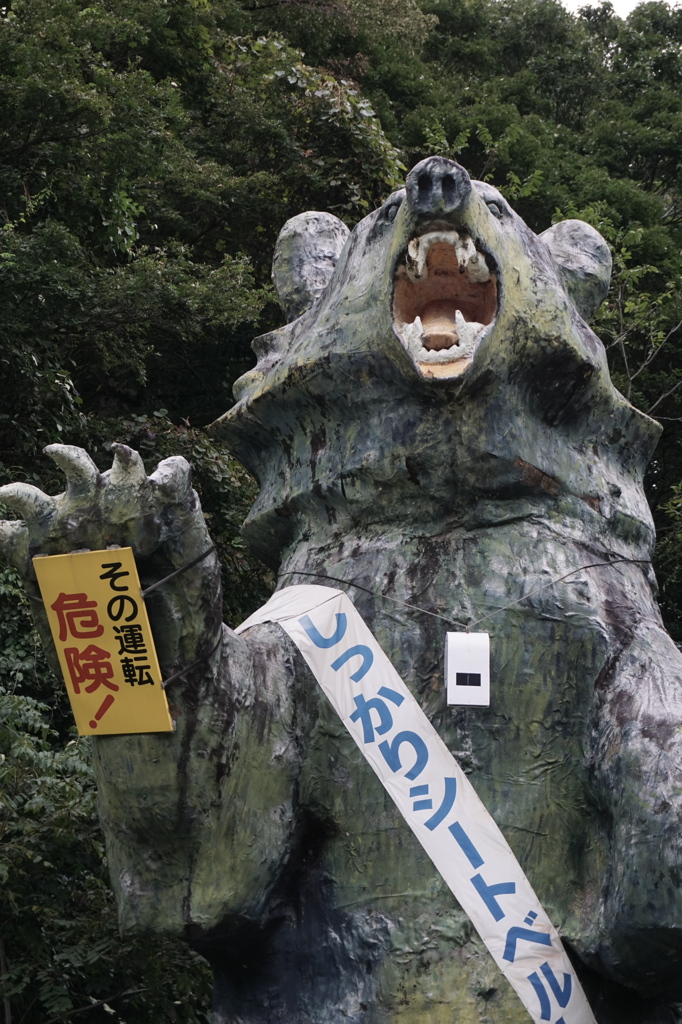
point(199, 822)
point(637, 765)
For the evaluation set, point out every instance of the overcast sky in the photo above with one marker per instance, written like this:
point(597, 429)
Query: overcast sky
point(621, 7)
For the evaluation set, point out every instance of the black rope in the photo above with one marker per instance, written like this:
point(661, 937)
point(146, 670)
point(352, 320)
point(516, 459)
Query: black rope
point(559, 579)
point(453, 622)
point(195, 664)
point(143, 593)
point(184, 568)
point(382, 597)
point(375, 593)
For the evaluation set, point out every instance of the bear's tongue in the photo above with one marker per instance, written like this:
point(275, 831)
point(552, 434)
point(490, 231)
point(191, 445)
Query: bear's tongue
point(439, 325)
point(443, 326)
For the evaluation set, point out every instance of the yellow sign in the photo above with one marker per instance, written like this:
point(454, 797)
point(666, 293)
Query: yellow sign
point(101, 631)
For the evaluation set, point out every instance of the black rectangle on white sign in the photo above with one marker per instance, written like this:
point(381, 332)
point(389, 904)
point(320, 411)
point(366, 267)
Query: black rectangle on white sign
point(467, 668)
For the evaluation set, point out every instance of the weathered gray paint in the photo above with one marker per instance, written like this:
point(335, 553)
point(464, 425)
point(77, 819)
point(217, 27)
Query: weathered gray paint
point(257, 830)
point(584, 262)
point(307, 250)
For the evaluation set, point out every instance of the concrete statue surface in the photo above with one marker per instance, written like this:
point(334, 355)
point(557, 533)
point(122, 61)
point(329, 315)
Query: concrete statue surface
point(437, 425)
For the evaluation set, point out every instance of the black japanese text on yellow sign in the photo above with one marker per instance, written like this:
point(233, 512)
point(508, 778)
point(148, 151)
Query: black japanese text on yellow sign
point(101, 631)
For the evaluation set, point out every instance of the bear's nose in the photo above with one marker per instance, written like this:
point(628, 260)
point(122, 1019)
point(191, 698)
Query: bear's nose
point(437, 186)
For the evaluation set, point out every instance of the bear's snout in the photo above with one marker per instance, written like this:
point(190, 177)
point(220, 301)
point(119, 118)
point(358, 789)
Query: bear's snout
point(437, 186)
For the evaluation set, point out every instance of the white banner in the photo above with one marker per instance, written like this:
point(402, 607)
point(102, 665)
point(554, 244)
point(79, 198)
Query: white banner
point(434, 796)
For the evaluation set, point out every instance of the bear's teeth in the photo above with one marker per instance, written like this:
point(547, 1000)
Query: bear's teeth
point(468, 334)
point(468, 258)
point(465, 251)
point(413, 333)
point(416, 260)
point(478, 269)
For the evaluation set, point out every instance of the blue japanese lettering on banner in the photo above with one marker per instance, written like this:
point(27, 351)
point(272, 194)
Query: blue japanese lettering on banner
point(489, 892)
point(467, 847)
point(420, 805)
point(325, 641)
point(446, 805)
point(515, 935)
point(391, 753)
point(360, 650)
point(363, 708)
point(545, 1006)
point(562, 994)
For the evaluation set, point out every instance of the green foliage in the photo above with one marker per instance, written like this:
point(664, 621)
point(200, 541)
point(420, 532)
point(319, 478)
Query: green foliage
point(148, 160)
point(333, 148)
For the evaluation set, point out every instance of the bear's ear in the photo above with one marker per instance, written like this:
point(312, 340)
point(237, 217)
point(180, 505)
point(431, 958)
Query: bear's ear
point(584, 262)
point(307, 250)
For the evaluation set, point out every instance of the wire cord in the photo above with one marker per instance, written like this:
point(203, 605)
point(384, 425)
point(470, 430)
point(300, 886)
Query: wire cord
point(475, 622)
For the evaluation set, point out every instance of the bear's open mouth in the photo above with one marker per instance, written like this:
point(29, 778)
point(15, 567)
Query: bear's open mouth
point(444, 297)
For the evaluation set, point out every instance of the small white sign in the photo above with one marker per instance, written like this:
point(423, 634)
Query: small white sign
point(467, 669)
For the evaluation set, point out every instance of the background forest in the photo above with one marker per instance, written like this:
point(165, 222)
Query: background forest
point(150, 151)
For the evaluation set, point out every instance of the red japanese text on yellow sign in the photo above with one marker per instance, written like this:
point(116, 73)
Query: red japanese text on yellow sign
point(101, 631)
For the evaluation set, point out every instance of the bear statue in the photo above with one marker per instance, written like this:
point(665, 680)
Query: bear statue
point(434, 432)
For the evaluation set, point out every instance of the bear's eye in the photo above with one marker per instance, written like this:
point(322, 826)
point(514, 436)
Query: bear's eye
point(495, 209)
